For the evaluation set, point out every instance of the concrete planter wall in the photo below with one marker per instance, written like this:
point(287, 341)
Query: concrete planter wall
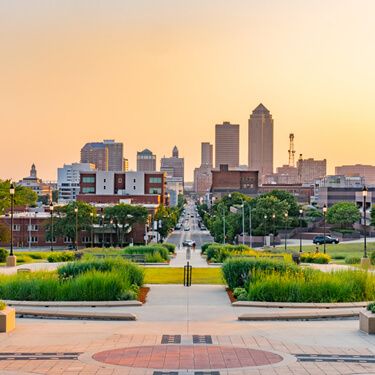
point(346, 236)
point(7, 319)
point(367, 321)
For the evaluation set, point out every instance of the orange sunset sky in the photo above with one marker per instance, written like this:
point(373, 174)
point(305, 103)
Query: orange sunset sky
point(157, 73)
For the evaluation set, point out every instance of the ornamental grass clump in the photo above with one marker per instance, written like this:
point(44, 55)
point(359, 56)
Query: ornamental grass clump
point(237, 271)
point(155, 252)
point(309, 285)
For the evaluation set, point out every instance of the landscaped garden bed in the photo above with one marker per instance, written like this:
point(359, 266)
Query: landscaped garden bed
point(279, 281)
point(93, 280)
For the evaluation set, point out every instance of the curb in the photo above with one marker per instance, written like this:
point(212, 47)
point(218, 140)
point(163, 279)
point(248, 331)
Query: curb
point(298, 305)
point(27, 313)
point(74, 303)
point(300, 316)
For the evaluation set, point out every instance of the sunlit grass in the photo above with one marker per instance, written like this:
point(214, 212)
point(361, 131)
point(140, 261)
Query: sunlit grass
point(176, 276)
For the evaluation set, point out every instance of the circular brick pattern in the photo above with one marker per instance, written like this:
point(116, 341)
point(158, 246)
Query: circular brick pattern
point(174, 357)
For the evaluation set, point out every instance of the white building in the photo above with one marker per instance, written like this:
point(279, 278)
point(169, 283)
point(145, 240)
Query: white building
point(68, 178)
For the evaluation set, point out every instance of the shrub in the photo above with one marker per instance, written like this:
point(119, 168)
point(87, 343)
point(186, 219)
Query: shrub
point(206, 245)
point(372, 258)
point(65, 256)
point(352, 260)
point(3, 255)
point(319, 258)
point(171, 247)
point(2, 305)
point(371, 307)
point(237, 270)
point(338, 257)
point(309, 285)
point(132, 271)
point(148, 250)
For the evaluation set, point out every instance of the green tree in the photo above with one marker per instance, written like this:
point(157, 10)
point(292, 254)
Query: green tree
point(4, 233)
point(344, 214)
point(281, 195)
point(266, 207)
point(65, 222)
point(125, 216)
point(372, 215)
point(23, 196)
point(167, 218)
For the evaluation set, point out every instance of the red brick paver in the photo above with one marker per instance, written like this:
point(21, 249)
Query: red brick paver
point(187, 357)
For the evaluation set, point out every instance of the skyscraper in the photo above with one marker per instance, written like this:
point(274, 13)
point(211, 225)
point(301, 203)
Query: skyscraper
point(146, 161)
point(207, 154)
point(173, 166)
point(107, 155)
point(261, 141)
point(227, 144)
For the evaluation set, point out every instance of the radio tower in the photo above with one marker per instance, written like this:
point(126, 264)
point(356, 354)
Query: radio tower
point(291, 150)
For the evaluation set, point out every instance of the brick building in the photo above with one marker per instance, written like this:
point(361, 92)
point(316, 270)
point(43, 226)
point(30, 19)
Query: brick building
point(302, 193)
point(114, 187)
point(225, 181)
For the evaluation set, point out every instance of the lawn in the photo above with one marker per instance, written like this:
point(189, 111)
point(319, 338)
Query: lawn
point(341, 250)
point(176, 276)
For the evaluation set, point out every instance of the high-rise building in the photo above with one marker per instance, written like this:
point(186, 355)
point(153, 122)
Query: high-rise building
point(261, 141)
point(173, 166)
point(68, 179)
point(207, 154)
point(146, 161)
point(361, 170)
point(107, 155)
point(203, 174)
point(227, 145)
point(310, 170)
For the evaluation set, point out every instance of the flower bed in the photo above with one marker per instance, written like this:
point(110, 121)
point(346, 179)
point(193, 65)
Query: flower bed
point(319, 258)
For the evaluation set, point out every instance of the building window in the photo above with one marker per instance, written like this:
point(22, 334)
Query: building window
point(104, 180)
point(88, 190)
point(133, 187)
point(104, 187)
point(155, 180)
point(86, 239)
point(134, 180)
point(155, 191)
point(16, 227)
point(33, 227)
point(67, 240)
point(88, 180)
point(53, 240)
point(120, 180)
point(33, 239)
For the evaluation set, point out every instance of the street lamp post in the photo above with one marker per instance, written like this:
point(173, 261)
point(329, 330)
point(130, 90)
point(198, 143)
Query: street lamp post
point(274, 229)
point(243, 222)
point(223, 225)
point(324, 228)
point(286, 229)
point(365, 260)
point(111, 227)
point(92, 229)
point(102, 231)
point(11, 259)
point(300, 230)
point(76, 212)
point(250, 225)
point(265, 230)
point(51, 212)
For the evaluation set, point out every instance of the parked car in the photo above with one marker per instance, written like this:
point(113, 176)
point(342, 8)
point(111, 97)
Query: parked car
point(178, 226)
point(203, 227)
point(319, 240)
point(189, 243)
point(186, 229)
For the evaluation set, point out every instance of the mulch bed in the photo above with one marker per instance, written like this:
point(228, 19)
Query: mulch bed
point(231, 297)
point(142, 296)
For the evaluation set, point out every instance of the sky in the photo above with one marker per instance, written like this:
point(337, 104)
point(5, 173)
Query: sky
point(154, 74)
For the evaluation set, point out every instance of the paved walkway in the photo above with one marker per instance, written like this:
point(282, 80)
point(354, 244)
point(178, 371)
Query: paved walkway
point(175, 310)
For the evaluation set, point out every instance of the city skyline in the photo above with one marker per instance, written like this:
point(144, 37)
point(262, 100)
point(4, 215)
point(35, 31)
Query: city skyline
point(152, 76)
